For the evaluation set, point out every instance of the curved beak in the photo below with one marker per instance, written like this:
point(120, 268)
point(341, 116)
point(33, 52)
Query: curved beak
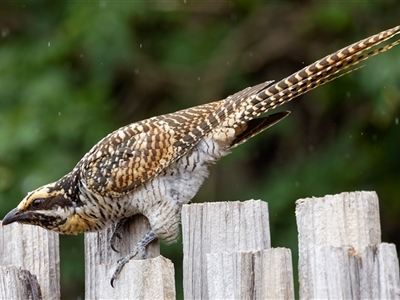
point(12, 216)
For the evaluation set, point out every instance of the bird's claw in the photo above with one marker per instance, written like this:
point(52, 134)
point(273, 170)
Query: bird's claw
point(117, 234)
point(140, 249)
point(112, 281)
point(113, 239)
point(121, 263)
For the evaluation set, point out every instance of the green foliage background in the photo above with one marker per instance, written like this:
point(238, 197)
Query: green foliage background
point(71, 72)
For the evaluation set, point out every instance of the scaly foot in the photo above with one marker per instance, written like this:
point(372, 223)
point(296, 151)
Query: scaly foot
point(140, 249)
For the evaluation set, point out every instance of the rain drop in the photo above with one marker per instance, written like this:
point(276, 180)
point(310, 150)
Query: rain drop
point(5, 31)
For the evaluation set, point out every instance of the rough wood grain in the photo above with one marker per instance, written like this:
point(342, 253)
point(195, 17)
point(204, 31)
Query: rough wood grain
point(341, 273)
point(337, 220)
point(139, 279)
point(263, 274)
point(16, 283)
point(33, 249)
point(219, 227)
point(340, 254)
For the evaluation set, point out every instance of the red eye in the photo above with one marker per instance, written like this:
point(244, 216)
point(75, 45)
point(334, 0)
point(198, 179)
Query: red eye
point(37, 203)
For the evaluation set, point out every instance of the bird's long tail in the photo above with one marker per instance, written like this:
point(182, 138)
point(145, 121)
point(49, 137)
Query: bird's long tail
point(242, 107)
point(318, 73)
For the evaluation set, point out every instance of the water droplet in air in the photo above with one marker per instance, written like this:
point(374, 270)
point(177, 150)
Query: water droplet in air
point(5, 31)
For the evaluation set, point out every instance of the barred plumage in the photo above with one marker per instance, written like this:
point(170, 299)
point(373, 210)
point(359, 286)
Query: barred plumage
point(154, 166)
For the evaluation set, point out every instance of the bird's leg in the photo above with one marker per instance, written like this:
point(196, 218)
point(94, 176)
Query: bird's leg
point(117, 233)
point(140, 249)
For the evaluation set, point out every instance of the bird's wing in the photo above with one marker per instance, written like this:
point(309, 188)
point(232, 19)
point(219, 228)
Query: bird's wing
point(134, 154)
point(128, 158)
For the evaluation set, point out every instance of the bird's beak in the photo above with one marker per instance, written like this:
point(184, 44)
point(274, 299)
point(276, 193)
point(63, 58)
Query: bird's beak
point(13, 216)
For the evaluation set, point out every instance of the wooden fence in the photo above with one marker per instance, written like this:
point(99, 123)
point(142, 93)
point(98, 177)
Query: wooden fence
point(227, 255)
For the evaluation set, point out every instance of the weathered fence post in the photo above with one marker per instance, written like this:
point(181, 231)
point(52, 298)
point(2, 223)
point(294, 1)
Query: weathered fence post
point(30, 263)
point(139, 279)
point(340, 250)
point(227, 253)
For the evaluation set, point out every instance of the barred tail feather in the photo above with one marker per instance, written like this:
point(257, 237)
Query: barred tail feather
point(322, 71)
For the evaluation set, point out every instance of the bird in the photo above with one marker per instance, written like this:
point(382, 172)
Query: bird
point(154, 166)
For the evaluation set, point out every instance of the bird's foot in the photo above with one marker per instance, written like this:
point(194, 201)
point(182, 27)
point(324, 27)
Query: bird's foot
point(117, 233)
point(140, 249)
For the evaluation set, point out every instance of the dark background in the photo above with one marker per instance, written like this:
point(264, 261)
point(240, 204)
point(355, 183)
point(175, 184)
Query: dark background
point(71, 72)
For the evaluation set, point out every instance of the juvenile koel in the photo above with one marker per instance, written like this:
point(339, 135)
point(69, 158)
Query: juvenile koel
point(153, 167)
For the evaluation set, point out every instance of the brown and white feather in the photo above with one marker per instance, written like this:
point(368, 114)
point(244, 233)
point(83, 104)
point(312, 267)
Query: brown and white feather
point(154, 166)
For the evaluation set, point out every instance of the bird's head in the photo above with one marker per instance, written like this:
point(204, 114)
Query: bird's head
point(52, 208)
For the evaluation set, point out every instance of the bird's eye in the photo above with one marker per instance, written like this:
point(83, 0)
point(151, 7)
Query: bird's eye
point(37, 203)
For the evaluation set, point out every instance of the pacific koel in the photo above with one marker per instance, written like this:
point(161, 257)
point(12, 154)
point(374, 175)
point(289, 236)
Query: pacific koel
point(153, 167)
